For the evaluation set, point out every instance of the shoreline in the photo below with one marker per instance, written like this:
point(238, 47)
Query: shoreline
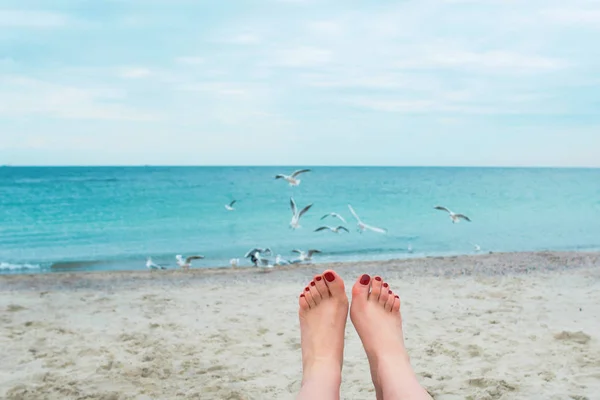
point(494, 264)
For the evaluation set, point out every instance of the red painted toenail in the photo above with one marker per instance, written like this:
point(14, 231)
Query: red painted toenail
point(312, 284)
point(385, 285)
point(377, 278)
point(364, 280)
point(306, 289)
point(389, 292)
point(329, 276)
point(318, 278)
point(397, 297)
point(302, 295)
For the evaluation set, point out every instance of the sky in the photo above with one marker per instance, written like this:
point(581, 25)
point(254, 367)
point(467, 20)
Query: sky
point(300, 82)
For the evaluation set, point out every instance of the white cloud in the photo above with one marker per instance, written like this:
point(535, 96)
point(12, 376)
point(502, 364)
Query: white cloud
point(135, 73)
point(573, 16)
point(23, 96)
point(304, 56)
point(31, 19)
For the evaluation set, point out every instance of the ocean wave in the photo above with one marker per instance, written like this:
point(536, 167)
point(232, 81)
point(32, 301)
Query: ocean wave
point(26, 181)
point(16, 267)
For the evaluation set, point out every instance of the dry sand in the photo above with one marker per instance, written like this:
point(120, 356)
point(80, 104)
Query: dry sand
point(501, 326)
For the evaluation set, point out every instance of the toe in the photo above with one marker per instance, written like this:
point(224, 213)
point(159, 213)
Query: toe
point(376, 289)
point(334, 283)
point(396, 306)
point(314, 293)
point(303, 303)
point(385, 294)
point(309, 298)
point(360, 290)
point(321, 286)
point(390, 301)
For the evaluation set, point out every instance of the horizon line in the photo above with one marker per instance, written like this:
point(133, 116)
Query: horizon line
point(289, 166)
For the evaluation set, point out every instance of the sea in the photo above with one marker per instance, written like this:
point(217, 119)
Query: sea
point(113, 218)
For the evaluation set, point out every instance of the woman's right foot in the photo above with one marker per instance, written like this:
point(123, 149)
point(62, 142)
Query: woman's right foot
point(375, 313)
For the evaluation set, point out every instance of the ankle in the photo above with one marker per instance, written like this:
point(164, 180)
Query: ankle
point(322, 369)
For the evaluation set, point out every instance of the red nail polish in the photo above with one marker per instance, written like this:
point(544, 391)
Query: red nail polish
point(385, 285)
point(364, 280)
point(329, 276)
point(378, 279)
point(306, 289)
point(397, 296)
point(389, 292)
point(318, 278)
point(312, 283)
point(302, 295)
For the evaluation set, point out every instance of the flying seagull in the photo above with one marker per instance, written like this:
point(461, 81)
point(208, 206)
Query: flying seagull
point(295, 222)
point(151, 265)
point(337, 229)
point(291, 179)
point(362, 226)
point(252, 252)
point(187, 263)
point(334, 215)
point(454, 217)
point(305, 256)
point(229, 207)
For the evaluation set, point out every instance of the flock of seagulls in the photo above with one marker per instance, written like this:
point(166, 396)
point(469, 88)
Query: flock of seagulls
point(261, 258)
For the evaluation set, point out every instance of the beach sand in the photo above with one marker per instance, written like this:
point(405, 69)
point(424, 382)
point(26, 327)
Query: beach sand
point(499, 326)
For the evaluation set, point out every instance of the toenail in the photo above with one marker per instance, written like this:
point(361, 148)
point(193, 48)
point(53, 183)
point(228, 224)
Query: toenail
point(318, 278)
point(306, 289)
point(397, 296)
point(329, 276)
point(385, 285)
point(364, 280)
point(302, 295)
point(389, 292)
point(377, 278)
point(312, 284)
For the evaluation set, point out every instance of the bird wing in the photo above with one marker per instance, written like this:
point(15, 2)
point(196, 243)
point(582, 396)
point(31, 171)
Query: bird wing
point(232, 203)
point(336, 215)
point(322, 228)
point(442, 209)
point(463, 217)
point(353, 213)
point(343, 228)
point(251, 252)
point(300, 171)
point(305, 209)
point(190, 258)
point(297, 251)
point(313, 251)
point(375, 229)
point(279, 176)
point(325, 216)
point(293, 206)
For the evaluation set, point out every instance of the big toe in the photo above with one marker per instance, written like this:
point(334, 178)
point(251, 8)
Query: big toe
point(334, 283)
point(360, 290)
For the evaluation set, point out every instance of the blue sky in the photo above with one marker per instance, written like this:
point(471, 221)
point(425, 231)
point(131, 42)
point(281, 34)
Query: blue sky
point(300, 82)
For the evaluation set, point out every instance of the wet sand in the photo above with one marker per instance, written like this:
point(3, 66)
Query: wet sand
point(499, 326)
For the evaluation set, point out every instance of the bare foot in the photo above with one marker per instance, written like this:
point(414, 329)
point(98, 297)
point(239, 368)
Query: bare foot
point(323, 313)
point(375, 314)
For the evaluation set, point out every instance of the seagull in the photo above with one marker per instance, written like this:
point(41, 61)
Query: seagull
point(187, 263)
point(334, 215)
point(151, 265)
point(234, 262)
point(476, 247)
point(252, 252)
point(295, 222)
point(264, 265)
point(362, 226)
point(292, 178)
point(229, 207)
point(337, 229)
point(454, 217)
point(280, 261)
point(410, 248)
point(305, 256)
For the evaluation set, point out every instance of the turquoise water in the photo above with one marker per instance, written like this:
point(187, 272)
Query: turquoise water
point(114, 217)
